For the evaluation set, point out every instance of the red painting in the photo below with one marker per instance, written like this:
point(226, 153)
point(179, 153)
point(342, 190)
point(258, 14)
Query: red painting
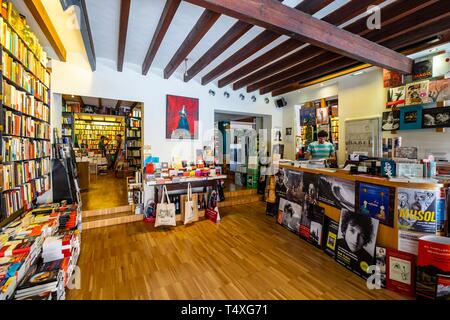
point(181, 118)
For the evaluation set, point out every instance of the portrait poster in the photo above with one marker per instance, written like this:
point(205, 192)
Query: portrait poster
point(289, 215)
point(337, 192)
point(400, 272)
point(281, 182)
point(377, 202)
point(436, 118)
point(311, 187)
point(417, 92)
point(392, 78)
point(294, 184)
point(356, 242)
point(311, 224)
point(182, 116)
point(322, 116)
point(380, 262)
point(396, 96)
point(411, 118)
point(330, 233)
point(391, 120)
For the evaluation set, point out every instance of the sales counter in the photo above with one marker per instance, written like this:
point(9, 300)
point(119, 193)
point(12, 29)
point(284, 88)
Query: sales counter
point(387, 232)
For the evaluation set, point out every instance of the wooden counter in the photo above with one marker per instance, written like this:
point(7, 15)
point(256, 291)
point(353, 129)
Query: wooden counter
point(387, 236)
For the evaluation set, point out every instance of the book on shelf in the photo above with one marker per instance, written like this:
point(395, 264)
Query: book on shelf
point(19, 149)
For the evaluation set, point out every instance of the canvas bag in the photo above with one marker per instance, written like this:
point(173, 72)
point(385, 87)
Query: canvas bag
point(190, 208)
point(212, 210)
point(165, 212)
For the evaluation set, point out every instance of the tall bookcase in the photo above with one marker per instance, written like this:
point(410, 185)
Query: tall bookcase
point(24, 117)
point(133, 139)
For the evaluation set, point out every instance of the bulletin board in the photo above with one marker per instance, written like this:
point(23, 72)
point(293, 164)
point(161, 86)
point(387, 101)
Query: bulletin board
point(363, 135)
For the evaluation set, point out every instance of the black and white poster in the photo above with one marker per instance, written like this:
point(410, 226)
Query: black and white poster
point(289, 215)
point(281, 182)
point(391, 120)
point(356, 242)
point(311, 187)
point(311, 224)
point(436, 118)
point(337, 192)
point(294, 186)
point(380, 262)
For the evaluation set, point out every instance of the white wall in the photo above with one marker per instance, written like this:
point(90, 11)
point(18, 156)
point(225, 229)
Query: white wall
point(364, 96)
point(75, 77)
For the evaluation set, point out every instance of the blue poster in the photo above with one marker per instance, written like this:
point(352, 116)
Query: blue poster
point(411, 117)
point(307, 116)
point(374, 201)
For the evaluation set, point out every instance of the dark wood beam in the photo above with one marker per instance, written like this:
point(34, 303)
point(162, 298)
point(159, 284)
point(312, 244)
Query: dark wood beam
point(134, 105)
point(407, 44)
point(100, 103)
point(230, 37)
point(86, 33)
point(204, 23)
point(348, 11)
point(261, 41)
point(123, 29)
point(163, 25)
point(388, 31)
point(42, 18)
point(80, 100)
point(118, 104)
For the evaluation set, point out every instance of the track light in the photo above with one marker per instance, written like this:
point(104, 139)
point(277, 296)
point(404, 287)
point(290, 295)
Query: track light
point(241, 96)
point(267, 100)
point(226, 94)
point(253, 98)
point(212, 92)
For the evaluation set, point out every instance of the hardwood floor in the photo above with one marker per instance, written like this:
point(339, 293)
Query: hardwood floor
point(246, 256)
point(105, 192)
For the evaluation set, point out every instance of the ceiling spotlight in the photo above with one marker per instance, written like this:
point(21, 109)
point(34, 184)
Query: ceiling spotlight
point(267, 100)
point(253, 98)
point(357, 73)
point(241, 96)
point(212, 92)
point(226, 94)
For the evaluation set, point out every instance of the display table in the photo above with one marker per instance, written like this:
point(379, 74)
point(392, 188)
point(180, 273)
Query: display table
point(387, 235)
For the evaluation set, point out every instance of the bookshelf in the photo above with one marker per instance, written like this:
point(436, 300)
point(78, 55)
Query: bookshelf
point(24, 116)
point(88, 128)
point(133, 140)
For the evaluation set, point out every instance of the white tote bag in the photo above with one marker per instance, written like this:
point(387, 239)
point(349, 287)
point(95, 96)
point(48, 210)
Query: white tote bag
point(165, 212)
point(190, 208)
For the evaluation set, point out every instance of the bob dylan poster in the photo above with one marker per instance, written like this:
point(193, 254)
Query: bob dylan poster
point(356, 242)
point(377, 202)
point(182, 117)
point(337, 192)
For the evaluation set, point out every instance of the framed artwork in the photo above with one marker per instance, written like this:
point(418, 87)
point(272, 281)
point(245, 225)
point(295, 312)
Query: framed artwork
point(422, 68)
point(307, 116)
point(182, 117)
point(322, 115)
point(392, 78)
point(396, 96)
point(436, 118)
point(289, 131)
point(439, 90)
point(391, 120)
point(411, 118)
point(417, 93)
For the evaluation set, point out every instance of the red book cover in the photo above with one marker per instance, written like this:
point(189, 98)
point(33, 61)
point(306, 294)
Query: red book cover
point(400, 272)
point(433, 263)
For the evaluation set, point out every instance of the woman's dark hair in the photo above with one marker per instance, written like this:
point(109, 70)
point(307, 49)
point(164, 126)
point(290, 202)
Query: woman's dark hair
point(102, 137)
point(119, 135)
point(322, 134)
point(354, 219)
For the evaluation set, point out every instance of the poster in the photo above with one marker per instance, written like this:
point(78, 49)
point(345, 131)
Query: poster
point(182, 116)
point(294, 184)
point(311, 224)
point(436, 118)
point(396, 96)
point(377, 202)
point(400, 272)
point(380, 262)
point(356, 242)
point(289, 215)
point(310, 187)
point(281, 182)
point(417, 210)
point(307, 116)
point(322, 116)
point(441, 65)
point(330, 233)
point(417, 93)
point(337, 192)
point(439, 90)
point(391, 120)
point(411, 118)
point(392, 78)
point(422, 68)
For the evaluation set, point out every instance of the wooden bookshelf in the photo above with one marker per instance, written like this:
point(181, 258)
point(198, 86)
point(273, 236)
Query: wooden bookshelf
point(24, 119)
point(133, 140)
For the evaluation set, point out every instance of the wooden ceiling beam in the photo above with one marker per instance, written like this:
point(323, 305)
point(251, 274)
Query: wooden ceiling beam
point(42, 18)
point(123, 29)
point(118, 104)
point(100, 103)
point(409, 23)
point(80, 100)
point(261, 41)
point(337, 17)
point(407, 44)
point(163, 25)
point(204, 23)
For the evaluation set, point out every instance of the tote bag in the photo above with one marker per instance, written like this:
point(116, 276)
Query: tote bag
point(190, 208)
point(165, 212)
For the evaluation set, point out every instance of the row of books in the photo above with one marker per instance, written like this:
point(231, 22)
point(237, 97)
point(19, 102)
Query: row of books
point(133, 133)
point(134, 123)
point(16, 73)
point(134, 144)
point(134, 162)
point(67, 120)
point(72, 107)
point(21, 197)
point(11, 41)
point(25, 103)
point(136, 113)
point(134, 153)
point(25, 126)
point(19, 25)
point(66, 132)
point(18, 149)
point(19, 173)
point(40, 254)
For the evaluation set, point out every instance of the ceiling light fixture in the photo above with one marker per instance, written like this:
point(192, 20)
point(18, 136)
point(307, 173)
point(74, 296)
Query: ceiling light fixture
point(212, 92)
point(242, 97)
point(267, 100)
point(253, 98)
point(357, 73)
point(226, 94)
